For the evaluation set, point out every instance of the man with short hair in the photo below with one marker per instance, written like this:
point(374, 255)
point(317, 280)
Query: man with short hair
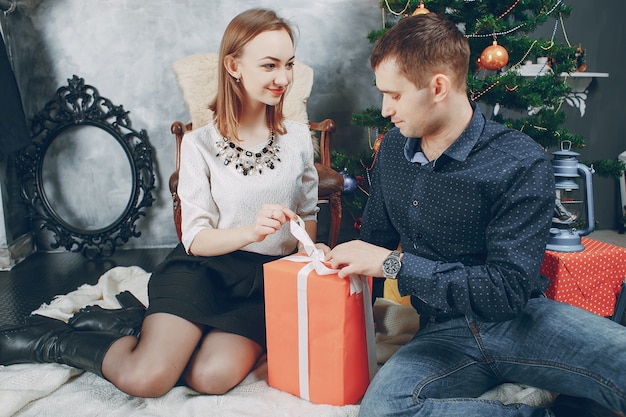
point(459, 213)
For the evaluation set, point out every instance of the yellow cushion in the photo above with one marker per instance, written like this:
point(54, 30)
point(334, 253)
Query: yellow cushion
point(390, 292)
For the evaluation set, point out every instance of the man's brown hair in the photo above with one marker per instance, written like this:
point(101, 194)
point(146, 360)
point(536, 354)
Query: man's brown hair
point(422, 46)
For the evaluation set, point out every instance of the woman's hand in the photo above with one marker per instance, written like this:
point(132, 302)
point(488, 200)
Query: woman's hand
point(213, 242)
point(269, 219)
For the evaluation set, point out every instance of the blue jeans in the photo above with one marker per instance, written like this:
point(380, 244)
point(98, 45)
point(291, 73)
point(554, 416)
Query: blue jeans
point(551, 345)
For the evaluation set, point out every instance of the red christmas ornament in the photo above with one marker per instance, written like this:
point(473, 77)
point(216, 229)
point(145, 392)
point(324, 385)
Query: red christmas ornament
point(494, 57)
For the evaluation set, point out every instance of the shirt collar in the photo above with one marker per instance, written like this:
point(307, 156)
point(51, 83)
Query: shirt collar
point(461, 147)
point(413, 151)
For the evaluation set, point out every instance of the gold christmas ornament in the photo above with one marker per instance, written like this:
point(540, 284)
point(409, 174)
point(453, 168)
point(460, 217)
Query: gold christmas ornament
point(420, 9)
point(494, 57)
point(379, 140)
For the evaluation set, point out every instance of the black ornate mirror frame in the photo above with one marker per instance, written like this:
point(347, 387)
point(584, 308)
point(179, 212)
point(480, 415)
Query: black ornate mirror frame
point(78, 104)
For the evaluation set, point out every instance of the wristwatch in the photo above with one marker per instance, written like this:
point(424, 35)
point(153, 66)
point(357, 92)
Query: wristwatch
point(391, 265)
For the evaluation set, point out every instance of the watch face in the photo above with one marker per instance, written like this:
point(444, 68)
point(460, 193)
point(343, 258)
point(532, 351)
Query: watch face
point(391, 266)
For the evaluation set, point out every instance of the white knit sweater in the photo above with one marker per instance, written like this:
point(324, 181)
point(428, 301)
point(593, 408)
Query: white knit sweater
point(217, 196)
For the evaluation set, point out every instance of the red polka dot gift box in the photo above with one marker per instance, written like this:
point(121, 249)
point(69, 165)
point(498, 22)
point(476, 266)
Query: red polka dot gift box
point(590, 279)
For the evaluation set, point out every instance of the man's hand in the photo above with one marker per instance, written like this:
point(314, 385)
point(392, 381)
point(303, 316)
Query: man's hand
point(358, 257)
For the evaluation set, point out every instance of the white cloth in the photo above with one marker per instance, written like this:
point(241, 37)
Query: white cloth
point(114, 281)
point(215, 195)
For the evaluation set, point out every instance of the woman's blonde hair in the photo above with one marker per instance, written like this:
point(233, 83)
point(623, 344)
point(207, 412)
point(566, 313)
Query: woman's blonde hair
point(228, 104)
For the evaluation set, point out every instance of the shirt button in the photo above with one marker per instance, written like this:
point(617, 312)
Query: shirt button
point(418, 236)
point(415, 203)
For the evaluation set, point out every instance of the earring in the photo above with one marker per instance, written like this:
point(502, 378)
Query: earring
point(236, 80)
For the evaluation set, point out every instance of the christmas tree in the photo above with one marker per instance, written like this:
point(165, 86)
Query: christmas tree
point(520, 78)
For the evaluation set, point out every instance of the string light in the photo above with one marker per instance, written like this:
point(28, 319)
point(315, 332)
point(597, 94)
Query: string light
point(406, 6)
point(555, 6)
point(551, 44)
point(508, 10)
point(372, 147)
point(523, 59)
point(488, 35)
point(485, 91)
point(369, 138)
point(563, 29)
point(476, 35)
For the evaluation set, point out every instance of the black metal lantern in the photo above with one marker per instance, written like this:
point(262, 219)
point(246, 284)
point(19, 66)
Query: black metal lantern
point(573, 211)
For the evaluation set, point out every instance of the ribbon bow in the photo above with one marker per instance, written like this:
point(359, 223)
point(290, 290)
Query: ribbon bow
point(315, 256)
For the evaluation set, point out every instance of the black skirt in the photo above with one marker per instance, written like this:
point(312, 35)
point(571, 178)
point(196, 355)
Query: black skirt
point(223, 292)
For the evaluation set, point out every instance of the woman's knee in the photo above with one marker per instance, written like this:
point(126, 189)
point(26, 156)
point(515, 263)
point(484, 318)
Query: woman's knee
point(140, 374)
point(222, 361)
point(150, 382)
point(215, 377)
point(153, 365)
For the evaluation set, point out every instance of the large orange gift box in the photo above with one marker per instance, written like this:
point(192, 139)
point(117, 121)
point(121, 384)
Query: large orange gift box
point(318, 330)
point(589, 279)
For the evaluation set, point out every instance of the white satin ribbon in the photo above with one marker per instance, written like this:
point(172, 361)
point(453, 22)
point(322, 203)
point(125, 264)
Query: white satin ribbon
point(358, 284)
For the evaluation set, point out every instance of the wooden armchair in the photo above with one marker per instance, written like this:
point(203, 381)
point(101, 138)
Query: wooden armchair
point(330, 181)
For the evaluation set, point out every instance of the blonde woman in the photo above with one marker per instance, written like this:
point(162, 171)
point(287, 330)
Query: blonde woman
point(242, 177)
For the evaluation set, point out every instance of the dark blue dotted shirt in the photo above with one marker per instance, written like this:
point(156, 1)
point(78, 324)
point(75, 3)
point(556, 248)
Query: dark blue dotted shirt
point(473, 224)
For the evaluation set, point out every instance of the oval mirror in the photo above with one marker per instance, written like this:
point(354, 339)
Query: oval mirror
point(87, 175)
point(94, 199)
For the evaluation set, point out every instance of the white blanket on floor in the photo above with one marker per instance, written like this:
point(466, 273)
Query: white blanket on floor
point(58, 390)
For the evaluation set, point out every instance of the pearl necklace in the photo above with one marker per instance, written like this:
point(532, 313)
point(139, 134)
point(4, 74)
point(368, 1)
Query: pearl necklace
point(246, 161)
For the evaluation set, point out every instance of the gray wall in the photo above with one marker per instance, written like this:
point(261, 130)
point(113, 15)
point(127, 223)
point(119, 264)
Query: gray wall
point(125, 48)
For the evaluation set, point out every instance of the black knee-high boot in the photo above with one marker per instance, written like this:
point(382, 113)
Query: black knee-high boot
point(46, 340)
point(125, 321)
